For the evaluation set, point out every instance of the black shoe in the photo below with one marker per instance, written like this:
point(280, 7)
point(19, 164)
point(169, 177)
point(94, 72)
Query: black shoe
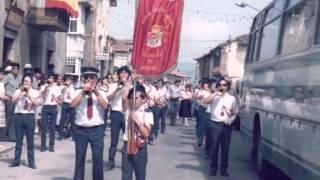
point(163, 132)
point(60, 138)
point(32, 166)
point(109, 166)
point(51, 149)
point(199, 145)
point(213, 172)
point(224, 173)
point(43, 149)
point(14, 164)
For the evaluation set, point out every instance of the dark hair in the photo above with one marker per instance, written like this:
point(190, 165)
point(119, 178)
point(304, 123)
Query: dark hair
point(25, 76)
point(219, 80)
point(15, 65)
point(124, 68)
point(54, 76)
point(177, 81)
point(139, 88)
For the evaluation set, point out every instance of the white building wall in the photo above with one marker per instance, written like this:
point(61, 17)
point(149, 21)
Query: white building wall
point(235, 61)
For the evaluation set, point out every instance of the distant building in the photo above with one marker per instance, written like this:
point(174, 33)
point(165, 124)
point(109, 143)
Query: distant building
point(121, 53)
point(177, 75)
point(227, 59)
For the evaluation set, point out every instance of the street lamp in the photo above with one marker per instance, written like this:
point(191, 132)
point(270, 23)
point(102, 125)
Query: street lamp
point(243, 5)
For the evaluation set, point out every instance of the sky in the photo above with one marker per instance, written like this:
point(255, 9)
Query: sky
point(206, 23)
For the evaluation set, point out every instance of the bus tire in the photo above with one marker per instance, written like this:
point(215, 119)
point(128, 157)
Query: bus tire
point(256, 152)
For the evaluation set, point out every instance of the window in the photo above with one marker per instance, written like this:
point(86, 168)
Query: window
point(293, 2)
point(275, 10)
point(298, 27)
point(269, 41)
point(73, 24)
point(70, 65)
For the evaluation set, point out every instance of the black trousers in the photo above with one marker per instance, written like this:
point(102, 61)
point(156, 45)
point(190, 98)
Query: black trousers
point(94, 137)
point(25, 125)
point(10, 131)
point(162, 119)
point(117, 123)
point(67, 119)
point(48, 117)
point(134, 163)
point(220, 135)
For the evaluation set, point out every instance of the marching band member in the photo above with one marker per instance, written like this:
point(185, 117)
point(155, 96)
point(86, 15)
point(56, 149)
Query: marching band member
point(67, 112)
point(174, 93)
point(51, 94)
point(202, 115)
point(26, 99)
point(223, 112)
point(161, 102)
point(117, 117)
point(134, 151)
point(89, 103)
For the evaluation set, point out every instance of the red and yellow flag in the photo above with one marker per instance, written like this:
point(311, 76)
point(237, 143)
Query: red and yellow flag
point(157, 36)
point(69, 5)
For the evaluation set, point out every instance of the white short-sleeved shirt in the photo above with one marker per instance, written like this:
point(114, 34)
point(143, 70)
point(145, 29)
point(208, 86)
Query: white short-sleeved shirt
point(152, 94)
point(161, 95)
point(205, 94)
point(174, 91)
point(67, 94)
point(223, 108)
point(81, 110)
point(24, 104)
point(146, 117)
point(50, 95)
point(116, 102)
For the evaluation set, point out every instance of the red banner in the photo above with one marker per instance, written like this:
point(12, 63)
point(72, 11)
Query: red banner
point(157, 36)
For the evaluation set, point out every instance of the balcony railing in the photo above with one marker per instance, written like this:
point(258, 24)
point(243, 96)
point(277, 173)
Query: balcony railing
point(49, 19)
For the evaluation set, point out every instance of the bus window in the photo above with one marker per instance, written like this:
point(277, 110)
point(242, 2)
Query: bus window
point(293, 2)
point(298, 27)
point(269, 42)
point(275, 10)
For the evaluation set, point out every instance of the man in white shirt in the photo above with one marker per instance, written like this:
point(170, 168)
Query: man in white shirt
point(174, 96)
point(161, 102)
point(223, 112)
point(117, 117)
point(89, 104)
point(51, 94)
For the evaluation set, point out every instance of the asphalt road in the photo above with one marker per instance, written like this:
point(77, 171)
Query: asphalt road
point(174, 156)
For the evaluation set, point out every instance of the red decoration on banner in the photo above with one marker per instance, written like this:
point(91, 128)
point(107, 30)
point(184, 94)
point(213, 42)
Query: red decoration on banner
point(157, 36)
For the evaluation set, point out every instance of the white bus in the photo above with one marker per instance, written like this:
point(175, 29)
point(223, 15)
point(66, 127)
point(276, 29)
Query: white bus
point(281, 89)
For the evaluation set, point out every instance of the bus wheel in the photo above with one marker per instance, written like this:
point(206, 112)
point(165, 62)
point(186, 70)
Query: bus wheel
point(256, 152)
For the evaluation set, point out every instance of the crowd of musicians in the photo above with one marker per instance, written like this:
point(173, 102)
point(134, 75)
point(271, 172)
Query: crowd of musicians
point(65, 106)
